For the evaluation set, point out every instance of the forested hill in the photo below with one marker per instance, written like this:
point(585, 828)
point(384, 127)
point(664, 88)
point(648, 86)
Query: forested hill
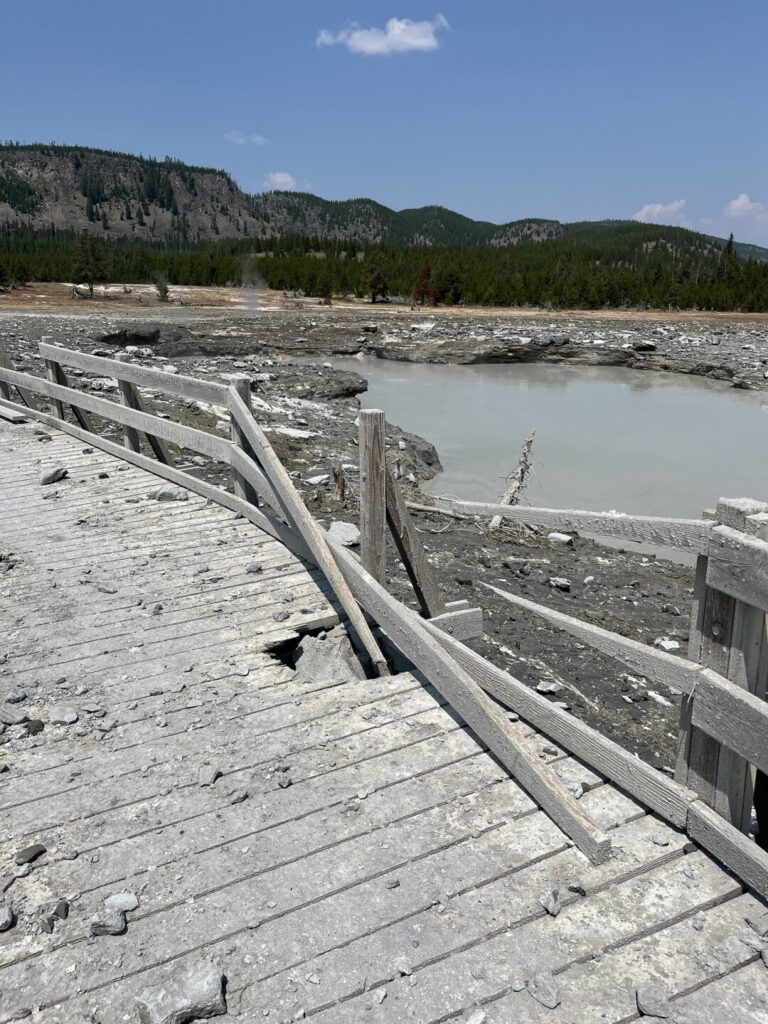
point(73, 187)
point(74, 214)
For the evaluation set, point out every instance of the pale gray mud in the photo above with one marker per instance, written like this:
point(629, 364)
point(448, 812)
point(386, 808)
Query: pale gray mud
point(311, 411)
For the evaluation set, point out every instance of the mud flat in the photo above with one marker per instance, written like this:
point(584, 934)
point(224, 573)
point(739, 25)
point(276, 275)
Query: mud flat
point(311, 412)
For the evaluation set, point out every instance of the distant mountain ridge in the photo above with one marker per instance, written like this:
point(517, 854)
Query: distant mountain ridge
point(122, 195)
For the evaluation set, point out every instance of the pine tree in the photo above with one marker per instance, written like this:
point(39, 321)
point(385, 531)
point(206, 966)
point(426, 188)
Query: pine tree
point(89, 263)
point(375, 281)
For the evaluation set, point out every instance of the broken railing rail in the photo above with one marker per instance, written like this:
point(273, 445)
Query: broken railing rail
point(464, 677)
point(681, 534)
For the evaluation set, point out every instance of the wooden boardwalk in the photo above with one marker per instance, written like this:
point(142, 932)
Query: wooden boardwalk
point(361, 857)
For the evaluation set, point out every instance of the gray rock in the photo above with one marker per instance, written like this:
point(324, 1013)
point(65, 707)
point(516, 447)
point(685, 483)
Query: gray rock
point(10, 715)
point(169, 493)
point(555, 537)
point(328, 660)
point(122, 901)
point(197, 992)
point(548, 686)
point(346, 534)
point(108, 922)
point(61, 714)
point(652, 1001)
point(30, 853)
point(53, 475)
point(550, 900)
point(254, 569)
point(208, 775)
point(16, 696)
point(7, 917)
point(560, 583)
point(544, 989)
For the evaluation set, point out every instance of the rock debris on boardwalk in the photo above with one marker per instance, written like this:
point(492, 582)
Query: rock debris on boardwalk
point(357, 856)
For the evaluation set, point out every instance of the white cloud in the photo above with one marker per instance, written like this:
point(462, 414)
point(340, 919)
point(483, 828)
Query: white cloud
point(656, 213)
point(282, 181)
point(240, 138)
point(742, 206)
point(399, 35)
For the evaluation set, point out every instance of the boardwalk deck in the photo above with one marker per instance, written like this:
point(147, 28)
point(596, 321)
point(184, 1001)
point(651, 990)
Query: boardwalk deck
point(397, 878)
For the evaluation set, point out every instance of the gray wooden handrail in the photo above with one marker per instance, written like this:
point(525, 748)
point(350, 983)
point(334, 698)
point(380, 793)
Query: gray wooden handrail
point(144, 376)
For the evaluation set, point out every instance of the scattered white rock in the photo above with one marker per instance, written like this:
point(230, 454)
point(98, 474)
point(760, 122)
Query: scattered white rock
point(123, 901)
point(652, 1001)
point(197, 991)
point(560, 583)
point(664, 643)
point(555, 537)
point(53, 475)
point(346, 534)
point(544, 989)
point(60, 714)
point(169, 493)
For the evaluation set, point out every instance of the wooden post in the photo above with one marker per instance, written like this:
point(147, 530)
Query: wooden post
point(373, 493)
point(411, 551)
point(728, 636)
point(129, 398)
point(52, 375)
point(57, 376)
point(241, 486)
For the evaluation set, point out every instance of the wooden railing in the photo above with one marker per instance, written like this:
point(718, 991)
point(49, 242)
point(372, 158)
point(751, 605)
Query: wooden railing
point(724, 728)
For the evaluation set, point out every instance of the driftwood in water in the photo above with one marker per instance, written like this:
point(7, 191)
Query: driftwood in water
point(517, 483)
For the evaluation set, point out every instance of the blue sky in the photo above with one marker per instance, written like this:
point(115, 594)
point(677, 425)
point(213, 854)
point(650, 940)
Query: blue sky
point(575, 110)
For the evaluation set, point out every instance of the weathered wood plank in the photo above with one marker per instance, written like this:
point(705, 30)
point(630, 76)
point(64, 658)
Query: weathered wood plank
point(683, 534)
point(9, 414)
point(677, 957)
point(733, 716)
point(660, 667)
point(728, 845)
point(274, 527)
point(144, 376)
point(462, 624)
point(748, 670)
point(738, 566)
point(373, 493)
point(608, 919)
point(718, 611)
point(411, 551)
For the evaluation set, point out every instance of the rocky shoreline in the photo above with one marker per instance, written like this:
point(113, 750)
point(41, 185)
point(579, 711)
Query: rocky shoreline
point(310, 413)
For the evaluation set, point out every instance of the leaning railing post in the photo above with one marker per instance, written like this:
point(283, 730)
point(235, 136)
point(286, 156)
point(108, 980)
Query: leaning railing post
point(373, 493)
point(52, 373)
point(129, 399)
point(242, 488)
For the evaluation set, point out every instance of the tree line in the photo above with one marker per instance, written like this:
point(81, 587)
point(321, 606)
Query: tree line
point(589, 266)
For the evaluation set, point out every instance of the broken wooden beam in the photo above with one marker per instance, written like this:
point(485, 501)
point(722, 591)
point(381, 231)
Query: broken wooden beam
point(417, 640)
point(411, 550)
point(299, 516)
point(683, 534)
point(662, 668)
